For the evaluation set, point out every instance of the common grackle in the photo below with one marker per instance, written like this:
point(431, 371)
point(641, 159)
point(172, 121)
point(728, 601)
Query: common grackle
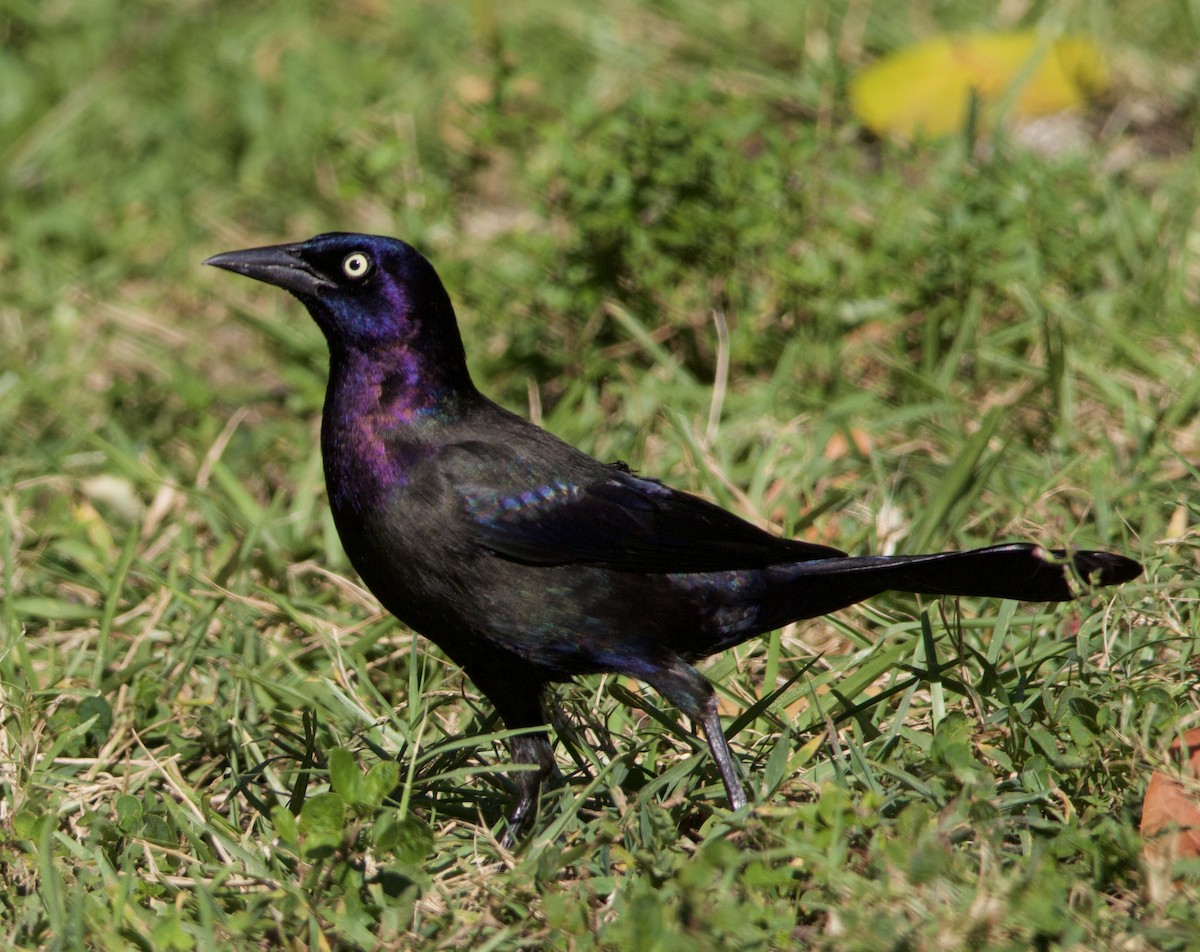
point(528, 561)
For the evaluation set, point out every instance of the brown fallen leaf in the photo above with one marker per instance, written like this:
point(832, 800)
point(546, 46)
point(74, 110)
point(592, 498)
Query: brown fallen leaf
point(838, 445)
point(1171, 808)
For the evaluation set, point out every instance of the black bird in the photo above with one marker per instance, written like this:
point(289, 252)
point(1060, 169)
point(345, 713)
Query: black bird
point(528, 561)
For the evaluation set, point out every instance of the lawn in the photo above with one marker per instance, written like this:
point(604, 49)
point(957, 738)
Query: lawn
point(670, 242)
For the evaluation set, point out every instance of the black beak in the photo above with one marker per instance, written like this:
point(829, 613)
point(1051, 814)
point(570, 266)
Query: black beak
point(280, 265)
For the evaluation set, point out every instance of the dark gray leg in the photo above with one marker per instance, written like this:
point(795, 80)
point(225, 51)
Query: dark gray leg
point(527, 749)
point(687, 689)
point(518, 700)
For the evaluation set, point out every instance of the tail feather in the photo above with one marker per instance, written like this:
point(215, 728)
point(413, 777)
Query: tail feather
point(1018, 570)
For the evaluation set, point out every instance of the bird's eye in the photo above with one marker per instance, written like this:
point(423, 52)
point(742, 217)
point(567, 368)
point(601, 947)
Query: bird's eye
point(356, 265)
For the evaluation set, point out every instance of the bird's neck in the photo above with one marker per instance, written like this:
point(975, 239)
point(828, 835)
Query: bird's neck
point(376, 408)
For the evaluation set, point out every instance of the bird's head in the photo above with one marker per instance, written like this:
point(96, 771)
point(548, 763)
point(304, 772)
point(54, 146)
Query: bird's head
point(364, 291)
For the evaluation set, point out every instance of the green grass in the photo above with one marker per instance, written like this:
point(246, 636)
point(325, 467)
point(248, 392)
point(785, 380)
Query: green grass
point(211, 735)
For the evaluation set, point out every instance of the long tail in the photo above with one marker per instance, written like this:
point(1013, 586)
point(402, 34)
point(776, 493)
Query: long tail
point(1020, 570)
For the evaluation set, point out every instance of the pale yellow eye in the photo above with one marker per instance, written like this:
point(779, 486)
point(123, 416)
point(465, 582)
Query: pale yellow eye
point(356, 265)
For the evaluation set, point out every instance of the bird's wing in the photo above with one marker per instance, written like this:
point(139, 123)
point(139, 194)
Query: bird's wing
point(603, 515)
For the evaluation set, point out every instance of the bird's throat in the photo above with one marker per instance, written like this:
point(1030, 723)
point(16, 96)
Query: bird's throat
point(374, 409)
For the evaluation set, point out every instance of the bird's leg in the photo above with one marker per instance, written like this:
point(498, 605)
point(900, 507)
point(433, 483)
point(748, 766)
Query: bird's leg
point(527, 749)
point(722, 754)
point(518, 700)
point(688, 690)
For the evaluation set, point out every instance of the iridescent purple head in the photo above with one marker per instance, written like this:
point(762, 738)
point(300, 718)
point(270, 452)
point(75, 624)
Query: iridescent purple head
point(365, 292)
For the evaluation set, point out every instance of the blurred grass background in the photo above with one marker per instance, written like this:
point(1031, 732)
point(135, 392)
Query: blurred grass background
point(929, 346)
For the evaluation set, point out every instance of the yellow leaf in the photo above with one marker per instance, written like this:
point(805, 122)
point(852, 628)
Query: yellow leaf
point(926, 89)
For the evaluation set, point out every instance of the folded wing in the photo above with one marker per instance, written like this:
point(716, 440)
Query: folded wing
point(604, 515)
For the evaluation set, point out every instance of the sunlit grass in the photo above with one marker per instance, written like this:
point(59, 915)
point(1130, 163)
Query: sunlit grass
point(927, 348)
